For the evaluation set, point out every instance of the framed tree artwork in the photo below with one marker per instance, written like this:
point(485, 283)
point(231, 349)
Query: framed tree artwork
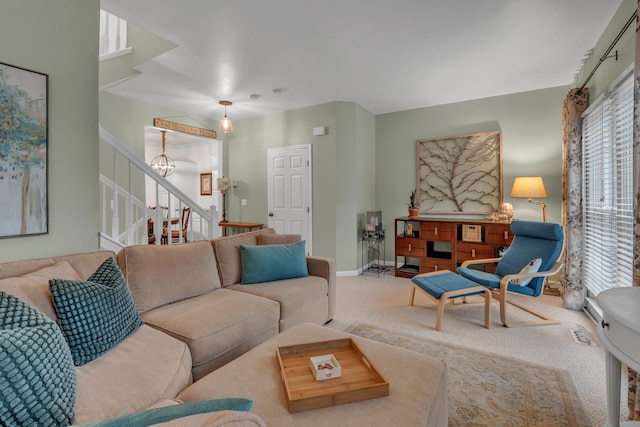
point(23, 152)
point(460, 174)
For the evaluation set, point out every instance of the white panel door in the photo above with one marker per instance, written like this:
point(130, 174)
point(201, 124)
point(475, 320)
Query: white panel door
point(289, 191)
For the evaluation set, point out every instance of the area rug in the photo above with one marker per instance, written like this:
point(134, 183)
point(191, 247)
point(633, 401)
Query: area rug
point(486, 389)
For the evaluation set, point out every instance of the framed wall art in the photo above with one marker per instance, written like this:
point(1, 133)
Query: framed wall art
point(206, 184)
point(23, 152)
point(460, 174)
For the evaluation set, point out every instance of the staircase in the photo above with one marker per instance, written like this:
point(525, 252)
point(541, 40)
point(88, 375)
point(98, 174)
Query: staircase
point(124, 213)
point(125, 179)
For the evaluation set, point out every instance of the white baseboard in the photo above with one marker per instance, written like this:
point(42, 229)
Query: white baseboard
point(358, 272)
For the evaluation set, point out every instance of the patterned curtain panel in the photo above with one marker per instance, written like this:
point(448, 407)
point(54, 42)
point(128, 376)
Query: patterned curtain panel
point(572, 108)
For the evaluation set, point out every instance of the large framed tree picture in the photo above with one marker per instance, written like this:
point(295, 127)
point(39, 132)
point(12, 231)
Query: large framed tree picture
point(23, 152)
point(460, 174)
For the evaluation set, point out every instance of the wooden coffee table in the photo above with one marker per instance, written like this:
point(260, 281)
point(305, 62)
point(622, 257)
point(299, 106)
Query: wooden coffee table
point(417, 385)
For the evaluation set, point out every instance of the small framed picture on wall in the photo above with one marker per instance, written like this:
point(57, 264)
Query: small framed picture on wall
point(206, 185)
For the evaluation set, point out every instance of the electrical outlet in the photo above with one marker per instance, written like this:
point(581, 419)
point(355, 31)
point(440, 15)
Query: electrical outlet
point(243, 202)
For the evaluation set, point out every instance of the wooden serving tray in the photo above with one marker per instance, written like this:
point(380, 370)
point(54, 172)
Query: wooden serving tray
point(360, 379)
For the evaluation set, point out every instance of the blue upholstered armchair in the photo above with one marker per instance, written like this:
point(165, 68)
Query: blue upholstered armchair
point(532, 241)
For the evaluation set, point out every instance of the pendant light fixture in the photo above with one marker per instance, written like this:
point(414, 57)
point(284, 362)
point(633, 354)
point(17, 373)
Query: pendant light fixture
point(163, 164)
point(225, 124)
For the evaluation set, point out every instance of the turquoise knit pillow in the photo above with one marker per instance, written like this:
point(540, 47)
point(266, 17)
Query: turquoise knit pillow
point(37, 377)
point(273, 262)
point(165, 414)
point(95, 315)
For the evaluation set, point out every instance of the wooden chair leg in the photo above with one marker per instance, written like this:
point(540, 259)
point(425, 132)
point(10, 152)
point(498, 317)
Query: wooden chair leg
point(544, 320)
point(412, 295)
point(487, 308)
point(441, 303)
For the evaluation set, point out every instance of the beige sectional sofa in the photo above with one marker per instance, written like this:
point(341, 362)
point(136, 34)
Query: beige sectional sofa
point(197, 316)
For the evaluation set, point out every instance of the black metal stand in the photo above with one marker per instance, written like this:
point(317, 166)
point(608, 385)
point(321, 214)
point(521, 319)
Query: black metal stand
point(371, 243)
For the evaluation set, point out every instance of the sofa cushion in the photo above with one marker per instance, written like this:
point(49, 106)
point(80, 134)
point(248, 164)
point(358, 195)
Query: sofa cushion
point(278, 239)
point(213, 323)
point(227, 250)
point(273, 262)
point(169, 413)
point(293, 295)
point(97, 314)
point(163, 274)
point(147, 367)
point(85, 263)
point(38, 380)
point(33, 288)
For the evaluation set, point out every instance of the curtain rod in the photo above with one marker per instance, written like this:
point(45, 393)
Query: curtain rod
point(611, 46)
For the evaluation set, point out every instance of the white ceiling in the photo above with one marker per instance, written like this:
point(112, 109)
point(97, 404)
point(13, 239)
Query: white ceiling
point(385, 55)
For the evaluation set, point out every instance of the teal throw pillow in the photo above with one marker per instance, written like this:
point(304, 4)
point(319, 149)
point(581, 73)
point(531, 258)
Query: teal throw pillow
point(97, 314)
point(168, 413)
point(37, 377)
point(273, 262)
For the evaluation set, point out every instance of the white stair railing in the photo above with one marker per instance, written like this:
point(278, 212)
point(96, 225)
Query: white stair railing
point(113, 36)
point(118, 200)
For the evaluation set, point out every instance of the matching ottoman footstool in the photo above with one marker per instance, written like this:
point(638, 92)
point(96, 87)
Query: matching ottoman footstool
point(441, 285)
point(417, 385)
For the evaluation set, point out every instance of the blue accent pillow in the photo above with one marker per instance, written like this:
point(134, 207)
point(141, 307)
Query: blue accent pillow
point(168, 413)
point(37, 377)
point(273, 262)
point(97, 314)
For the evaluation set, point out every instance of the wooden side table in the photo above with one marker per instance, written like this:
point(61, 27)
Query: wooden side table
point(248, 226)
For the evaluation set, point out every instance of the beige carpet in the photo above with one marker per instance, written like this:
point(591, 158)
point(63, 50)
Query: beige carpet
point(383, 302)
point(489, 390)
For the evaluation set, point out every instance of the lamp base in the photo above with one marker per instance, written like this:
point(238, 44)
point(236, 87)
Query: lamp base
point(224, 208)
point(543, 207)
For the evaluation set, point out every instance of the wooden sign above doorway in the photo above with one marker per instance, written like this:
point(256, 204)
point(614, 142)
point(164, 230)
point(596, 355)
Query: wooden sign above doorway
point(193, 130)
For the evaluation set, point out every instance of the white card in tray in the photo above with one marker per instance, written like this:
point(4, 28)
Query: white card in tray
point(325, 367)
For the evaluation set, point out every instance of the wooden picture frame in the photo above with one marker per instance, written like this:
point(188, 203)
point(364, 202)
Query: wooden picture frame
point(460, 174)
point(24, 146)
point(206, 184)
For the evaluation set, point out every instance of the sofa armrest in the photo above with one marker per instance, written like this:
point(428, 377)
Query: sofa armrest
point(325, 268)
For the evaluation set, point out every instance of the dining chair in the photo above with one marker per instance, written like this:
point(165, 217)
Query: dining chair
point(184, 227)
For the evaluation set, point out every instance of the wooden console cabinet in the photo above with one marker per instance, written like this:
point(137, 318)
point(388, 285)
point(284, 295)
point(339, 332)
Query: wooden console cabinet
point(423, 245)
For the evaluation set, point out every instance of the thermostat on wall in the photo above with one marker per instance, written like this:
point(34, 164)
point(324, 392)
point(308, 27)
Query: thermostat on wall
point(319, 131)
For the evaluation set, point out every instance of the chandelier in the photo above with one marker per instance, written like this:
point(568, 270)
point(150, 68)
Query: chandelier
point(163, 164)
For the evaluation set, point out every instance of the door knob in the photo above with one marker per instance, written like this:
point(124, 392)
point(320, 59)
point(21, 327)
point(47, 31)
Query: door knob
point(270, 213)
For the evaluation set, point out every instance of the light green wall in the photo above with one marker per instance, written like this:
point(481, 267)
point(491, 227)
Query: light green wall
point(355, 157)
point(126, 119)
point(365, 175)
point(531, 125)
point(60, 38)
point(343, 172)
point(246, 161)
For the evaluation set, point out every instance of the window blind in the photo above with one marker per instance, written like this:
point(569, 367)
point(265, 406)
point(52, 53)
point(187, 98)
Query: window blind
point(607, 144)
